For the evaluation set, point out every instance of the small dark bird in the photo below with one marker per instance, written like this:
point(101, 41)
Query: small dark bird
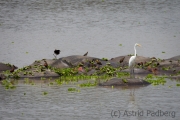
point(56, 52)
point(170, 61)
point(140, 63)
point(121, 60)
point(154, 71)
point(13, 68)
point(45, 64)
point(85, 54)
point(158, 64)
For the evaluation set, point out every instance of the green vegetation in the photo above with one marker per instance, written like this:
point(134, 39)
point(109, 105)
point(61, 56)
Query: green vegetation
point(66, 71)
point(88, 84)
point(105, 59)
point(155, 80)
point(8, 84)
point(73, 90)
point(93, 70)
point(45, 93)
point(124, 80)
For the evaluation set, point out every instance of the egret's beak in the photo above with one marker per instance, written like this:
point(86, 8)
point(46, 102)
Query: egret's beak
point(139, 45)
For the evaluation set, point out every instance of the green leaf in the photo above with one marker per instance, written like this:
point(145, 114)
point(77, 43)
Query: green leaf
point(45, 93)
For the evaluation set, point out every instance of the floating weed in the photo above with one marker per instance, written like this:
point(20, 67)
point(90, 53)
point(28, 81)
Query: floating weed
point(8, 84)
point(45, 93)
point(105, 59)
point(26, 80)
point(112, 86)
point(24, 93)
point(120, 44)
point(125, 80)
point(51, 83)
point(163, 52)
point(12, 42)
point(109, 70)
point(149, 76)
point(59, 81)
point(155, 80)
point(178, 84)
point(88, 84)
point(66, 71)
point(122, 74)
point(166, 68)
point(73, 90)
point(26, 52)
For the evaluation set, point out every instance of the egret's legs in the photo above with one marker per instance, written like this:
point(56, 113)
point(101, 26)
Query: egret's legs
point(132, 72)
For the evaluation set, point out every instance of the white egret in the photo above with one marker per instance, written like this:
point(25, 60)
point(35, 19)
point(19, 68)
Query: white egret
point(132, 60)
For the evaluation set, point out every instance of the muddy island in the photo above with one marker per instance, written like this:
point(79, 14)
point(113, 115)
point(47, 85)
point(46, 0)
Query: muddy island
point(115, 70)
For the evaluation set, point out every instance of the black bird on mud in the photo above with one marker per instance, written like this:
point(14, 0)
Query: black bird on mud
point(85, 54)
point(121, 60)
point(56, 52)
point(13, 68)
point(45, 64)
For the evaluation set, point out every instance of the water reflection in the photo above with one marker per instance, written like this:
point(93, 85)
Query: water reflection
point(98, 102)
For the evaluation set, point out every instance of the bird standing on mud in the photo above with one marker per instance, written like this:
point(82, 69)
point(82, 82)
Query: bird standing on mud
point(12, 69)
point(132, 60)
point(121, 60)
point(45, 64)
point(56, 52)
point(85, 54)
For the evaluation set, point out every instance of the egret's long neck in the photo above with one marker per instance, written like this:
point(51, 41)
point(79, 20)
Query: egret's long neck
point(134, 50)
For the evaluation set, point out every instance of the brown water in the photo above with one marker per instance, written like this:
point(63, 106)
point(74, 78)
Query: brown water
point(27, 102)
point(32, 29)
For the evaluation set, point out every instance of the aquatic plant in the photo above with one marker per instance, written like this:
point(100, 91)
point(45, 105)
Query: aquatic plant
point(88, 84)
point(45, 93)
point(66, 71)
point(124, 80)
point(122, 74)
point(166, 68)
point(155, 80)
point(73, 90)
point(104, 59)
point(8, 84)
point(109, 70)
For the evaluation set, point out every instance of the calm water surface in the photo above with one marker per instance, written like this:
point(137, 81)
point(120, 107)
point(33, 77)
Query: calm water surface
point(32, 29)
point(97, 103)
